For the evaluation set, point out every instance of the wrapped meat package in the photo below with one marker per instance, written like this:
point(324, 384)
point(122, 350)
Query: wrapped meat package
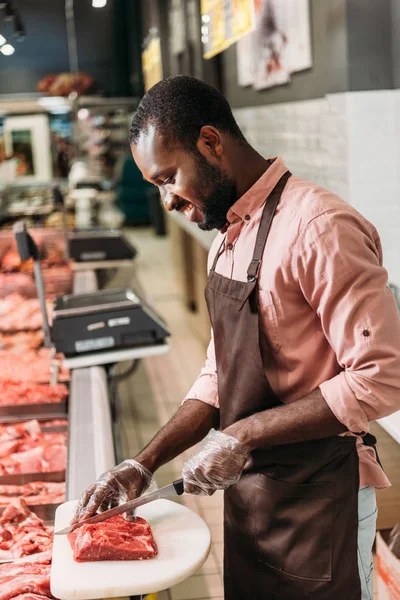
point(114, 539)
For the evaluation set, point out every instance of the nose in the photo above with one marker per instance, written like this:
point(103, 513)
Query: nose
point(170, 202)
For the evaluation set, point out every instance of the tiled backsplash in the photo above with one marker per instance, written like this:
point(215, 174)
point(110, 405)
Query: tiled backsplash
point(349, 143)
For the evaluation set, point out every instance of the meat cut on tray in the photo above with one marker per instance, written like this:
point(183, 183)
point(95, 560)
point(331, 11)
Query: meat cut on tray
point(22, 533)
point(23, 341)
point(114, 539)
point(28, 579)
point(47, 454)
point(30, 366)
point(25, 316)
point(34, 493)
point(17, 393)
point(24, 448)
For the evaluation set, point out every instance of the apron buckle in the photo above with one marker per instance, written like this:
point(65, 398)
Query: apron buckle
point(252, 272)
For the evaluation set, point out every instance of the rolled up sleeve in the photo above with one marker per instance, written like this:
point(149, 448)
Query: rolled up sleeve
point(339, 268)
point(205, 388)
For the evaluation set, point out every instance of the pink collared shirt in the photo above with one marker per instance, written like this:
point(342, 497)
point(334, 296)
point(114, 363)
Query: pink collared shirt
point(328, 317)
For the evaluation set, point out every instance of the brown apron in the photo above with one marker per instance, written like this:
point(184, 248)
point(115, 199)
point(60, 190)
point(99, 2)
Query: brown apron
point(291, 520)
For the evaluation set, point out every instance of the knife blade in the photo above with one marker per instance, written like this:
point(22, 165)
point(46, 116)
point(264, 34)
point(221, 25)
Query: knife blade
point(168, 491)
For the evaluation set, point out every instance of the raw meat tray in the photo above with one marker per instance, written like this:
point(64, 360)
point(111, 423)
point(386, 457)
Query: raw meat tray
point(25, 412)
point(22, 478)
point(21, 419)
point(46, 512)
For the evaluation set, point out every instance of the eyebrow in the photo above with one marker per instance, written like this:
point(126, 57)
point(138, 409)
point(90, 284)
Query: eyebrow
point(158, 174)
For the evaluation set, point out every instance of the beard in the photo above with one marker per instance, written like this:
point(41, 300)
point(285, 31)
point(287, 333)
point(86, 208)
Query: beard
point(216, 191)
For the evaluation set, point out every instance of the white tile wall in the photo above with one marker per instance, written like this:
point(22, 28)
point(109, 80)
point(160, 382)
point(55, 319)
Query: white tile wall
point(349, 143)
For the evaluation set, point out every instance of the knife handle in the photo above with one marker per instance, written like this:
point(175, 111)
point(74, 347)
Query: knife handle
point(178, 485)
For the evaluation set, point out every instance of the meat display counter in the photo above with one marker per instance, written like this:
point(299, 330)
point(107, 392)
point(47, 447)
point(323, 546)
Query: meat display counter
point(90, 443)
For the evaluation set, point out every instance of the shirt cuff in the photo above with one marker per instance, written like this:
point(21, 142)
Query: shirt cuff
point(204, 389)
point(342, 401)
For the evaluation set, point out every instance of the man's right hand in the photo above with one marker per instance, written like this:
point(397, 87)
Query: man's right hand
point(126, 481)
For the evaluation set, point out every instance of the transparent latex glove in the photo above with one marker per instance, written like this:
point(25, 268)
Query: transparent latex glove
point(126, 481)
point(217, 465)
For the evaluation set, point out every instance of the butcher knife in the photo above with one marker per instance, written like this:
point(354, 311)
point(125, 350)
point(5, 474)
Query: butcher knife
point(168, 491)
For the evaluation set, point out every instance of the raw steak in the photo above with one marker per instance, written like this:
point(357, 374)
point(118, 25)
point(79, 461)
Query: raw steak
point(22, 533)
point(34, 493)
point(15, 393)
point(115, 539)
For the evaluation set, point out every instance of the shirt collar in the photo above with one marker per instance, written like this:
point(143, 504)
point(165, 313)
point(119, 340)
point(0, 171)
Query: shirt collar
point(254, 198)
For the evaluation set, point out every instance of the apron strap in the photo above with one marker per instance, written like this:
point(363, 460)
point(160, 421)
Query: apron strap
point(265, 225)
point(218, 254)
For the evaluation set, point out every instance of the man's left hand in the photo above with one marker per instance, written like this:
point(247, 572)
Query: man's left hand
point(217, 465)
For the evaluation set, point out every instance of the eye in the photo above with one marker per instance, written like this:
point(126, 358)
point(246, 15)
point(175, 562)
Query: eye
point(170, 180)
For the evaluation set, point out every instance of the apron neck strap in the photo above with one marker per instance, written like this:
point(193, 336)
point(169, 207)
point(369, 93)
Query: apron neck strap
point(218, 254)
point(265, 225)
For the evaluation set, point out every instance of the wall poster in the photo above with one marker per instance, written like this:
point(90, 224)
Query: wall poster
point(279, 46)
point(224, 22)
point(27, 143)
point(152, 62)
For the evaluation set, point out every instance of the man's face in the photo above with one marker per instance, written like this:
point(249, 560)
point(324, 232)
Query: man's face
point(189, 182)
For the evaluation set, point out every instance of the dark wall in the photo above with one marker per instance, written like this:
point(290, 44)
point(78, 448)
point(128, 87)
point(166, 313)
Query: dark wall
point(395, 13)
point(43, 51)
point(369, 26)
point(103, 47)
point(329, 71)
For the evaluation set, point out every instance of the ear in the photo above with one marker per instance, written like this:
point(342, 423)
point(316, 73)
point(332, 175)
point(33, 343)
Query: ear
point(210, 142)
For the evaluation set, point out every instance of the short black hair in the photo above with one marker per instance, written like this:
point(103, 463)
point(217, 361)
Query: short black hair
point(179, 107)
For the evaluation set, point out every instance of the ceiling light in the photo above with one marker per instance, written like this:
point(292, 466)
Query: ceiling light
point(2, 40)
point(205, 18)
point(99, 3)
point(7, 49)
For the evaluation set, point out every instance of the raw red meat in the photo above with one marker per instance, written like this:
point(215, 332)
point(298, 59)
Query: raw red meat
point(34, 493)
point(25, 316)
point(29, 579)
point(16, 393)
point(10, 302)
point(24, 448)
point(18, 431)
point(46, 458)
point(54, 423)
point(30, 366)
point(115, 539)
point(23, 341)
point(22, 533)
point(29, 596)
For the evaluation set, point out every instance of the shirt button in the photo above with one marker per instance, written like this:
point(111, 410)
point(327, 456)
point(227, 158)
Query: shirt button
point(366, 333)
point(230, 246)
point(247, 217)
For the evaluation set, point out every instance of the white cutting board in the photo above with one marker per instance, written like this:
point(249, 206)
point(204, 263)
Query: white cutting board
point(183, 540)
